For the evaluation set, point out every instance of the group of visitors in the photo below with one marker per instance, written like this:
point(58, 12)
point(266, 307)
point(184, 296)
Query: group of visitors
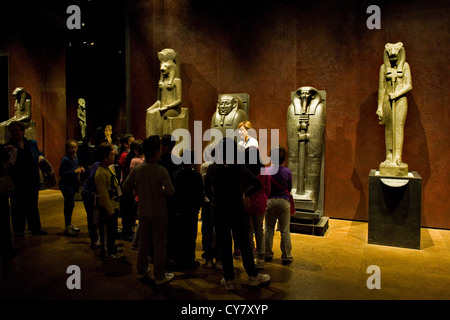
point(159, 204)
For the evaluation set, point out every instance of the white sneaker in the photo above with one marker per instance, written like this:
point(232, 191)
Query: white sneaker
point(228, 284)
point(69, 232)
point(258, 280)
point(76, 229)
point(167, 277)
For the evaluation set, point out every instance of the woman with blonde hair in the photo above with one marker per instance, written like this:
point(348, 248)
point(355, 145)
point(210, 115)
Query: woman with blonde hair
point(246, 140)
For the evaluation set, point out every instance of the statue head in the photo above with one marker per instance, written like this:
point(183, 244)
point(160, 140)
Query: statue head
point(168, 64)
point(394, 56)
point(227, 103)
point(21, 95)
point(82, 103)
point(306, 95)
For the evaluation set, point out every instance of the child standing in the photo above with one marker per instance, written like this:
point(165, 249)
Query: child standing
point(109, 193)
point(69, 172)
point(152, 182)
point(278, 206)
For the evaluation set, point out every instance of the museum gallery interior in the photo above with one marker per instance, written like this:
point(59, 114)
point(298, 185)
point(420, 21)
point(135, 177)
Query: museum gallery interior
point(357, 92)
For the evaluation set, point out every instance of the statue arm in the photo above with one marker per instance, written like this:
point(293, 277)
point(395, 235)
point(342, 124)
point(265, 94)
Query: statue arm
point(381, 92)
point(407, 84)
point(177, 99)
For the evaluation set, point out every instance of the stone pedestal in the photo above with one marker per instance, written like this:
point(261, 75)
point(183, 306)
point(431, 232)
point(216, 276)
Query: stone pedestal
point(395, 210)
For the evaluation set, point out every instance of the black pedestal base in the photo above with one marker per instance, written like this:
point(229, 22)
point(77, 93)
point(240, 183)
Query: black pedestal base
point(315, 227)
point(395, 210)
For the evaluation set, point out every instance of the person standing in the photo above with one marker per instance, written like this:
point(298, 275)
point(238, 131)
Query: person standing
point(25, 175)
point(153, 183)
point(188, 200)
point(279, 206)
point(109, 193)
point(225, 183)
point(69, 173)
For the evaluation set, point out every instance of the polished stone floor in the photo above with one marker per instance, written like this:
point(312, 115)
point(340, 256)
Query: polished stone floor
point(330, 267)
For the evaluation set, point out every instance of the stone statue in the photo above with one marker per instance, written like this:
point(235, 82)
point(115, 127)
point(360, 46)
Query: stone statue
point(306, 119)
point(81, 113)
point(394, 84)
point(229, 113)
point(166, 114)
point(108, 133)
point(23, 114)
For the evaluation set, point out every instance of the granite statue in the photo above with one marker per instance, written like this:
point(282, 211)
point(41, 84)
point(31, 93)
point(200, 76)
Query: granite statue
point(306, 120)
point(394, 84)
point(23, 114)
point(166, 114)
point(230, 112)
point(81, 114)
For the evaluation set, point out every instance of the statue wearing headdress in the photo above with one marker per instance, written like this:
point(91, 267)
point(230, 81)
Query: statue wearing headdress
point(306, 121)
point(162, 116)
point(394, 84)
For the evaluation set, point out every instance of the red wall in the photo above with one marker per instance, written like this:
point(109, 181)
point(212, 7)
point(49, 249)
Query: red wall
point(270, 48)
point(34, 42)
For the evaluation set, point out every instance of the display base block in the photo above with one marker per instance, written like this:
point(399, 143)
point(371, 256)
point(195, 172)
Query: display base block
point(395, 210)
point(315, 227)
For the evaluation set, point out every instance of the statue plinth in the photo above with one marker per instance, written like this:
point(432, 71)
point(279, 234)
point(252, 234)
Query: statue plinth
point(394, 170)
point(395, 210)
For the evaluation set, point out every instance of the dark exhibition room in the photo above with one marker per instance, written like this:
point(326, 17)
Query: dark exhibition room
point(230, 157)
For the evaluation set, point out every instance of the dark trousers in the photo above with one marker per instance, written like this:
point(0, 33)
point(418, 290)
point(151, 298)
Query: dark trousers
point(233, 220)
point(6, 247)
point(69, 204)
point(107, 226)
point(24, 209)
point(186, 227)
point(89, 202)
point(128, 213)
point(209, 239)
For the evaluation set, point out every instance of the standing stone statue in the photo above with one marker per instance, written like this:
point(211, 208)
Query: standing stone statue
point(394, 84)
point(166, 114)
point(81, 113)
point(22, 114)
point(306, 119)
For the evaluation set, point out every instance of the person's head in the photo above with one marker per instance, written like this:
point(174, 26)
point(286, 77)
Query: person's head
point(126, 140)
point(253, 159)
point(167, 144)
point(71, 147)
point(152, 147)
point(136, 147)
point(243, 127)
point(106, 153)
point(17, 130)
point(278, 155)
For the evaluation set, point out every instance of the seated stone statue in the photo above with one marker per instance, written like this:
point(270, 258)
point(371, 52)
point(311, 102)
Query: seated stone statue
point(394, 84)
point(306, 119)
point(166, 114)
point(23, 114)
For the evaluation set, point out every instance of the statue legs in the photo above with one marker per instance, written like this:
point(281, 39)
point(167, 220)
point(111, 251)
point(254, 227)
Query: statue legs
point(160, 122)
point(395, 118)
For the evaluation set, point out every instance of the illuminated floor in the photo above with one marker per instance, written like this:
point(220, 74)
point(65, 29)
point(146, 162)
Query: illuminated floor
point(330, 267)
